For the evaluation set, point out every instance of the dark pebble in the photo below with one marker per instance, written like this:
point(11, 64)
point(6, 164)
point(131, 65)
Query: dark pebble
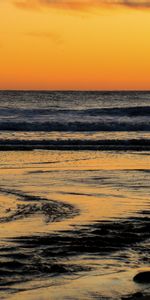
point(142, 277)
point(135, 296)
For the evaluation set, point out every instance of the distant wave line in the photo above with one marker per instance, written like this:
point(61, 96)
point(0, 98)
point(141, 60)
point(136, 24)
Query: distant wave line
point(126, 110)
point(76, 126)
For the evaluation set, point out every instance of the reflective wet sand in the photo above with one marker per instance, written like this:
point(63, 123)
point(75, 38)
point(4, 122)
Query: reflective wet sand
point(74, 225)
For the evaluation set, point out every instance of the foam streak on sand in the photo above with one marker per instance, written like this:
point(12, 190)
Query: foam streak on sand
point(31, 204)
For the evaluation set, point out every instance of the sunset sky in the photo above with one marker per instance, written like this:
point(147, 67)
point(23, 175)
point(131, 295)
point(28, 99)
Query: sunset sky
point(75, 44)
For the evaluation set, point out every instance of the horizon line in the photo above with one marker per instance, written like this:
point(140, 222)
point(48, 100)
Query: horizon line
point(74, 90)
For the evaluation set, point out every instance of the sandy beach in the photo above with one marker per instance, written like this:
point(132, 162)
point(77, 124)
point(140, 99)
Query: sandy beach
point(74, 225)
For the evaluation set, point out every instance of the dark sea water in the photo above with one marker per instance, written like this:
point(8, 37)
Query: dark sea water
point(75, 119)
point(74, 217)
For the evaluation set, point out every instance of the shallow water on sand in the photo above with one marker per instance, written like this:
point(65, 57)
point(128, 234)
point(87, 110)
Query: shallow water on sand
point(74, 225)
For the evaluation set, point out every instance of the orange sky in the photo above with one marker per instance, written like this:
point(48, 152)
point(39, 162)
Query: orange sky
point(83, 44)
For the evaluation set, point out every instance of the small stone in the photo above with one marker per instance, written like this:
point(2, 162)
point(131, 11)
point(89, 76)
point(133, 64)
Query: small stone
point(137, 295)
point(134, 296)
point(8, 210)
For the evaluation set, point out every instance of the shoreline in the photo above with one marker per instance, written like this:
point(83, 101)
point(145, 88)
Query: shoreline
point(61, 147)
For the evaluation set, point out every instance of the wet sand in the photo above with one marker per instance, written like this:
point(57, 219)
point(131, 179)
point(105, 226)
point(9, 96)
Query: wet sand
point(74, 225)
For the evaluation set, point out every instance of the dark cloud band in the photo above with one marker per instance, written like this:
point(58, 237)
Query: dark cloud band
point(80, 4)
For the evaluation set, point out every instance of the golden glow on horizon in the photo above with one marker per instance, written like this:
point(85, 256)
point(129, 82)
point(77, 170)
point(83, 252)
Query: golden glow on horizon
point(53, 48)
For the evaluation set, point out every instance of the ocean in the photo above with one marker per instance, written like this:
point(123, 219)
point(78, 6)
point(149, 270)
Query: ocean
point(79, 120)
point(74, 194)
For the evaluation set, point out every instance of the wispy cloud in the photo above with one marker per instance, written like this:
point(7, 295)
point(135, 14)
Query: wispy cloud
point(80, 4)
point(59, 4)
point(52, 36)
